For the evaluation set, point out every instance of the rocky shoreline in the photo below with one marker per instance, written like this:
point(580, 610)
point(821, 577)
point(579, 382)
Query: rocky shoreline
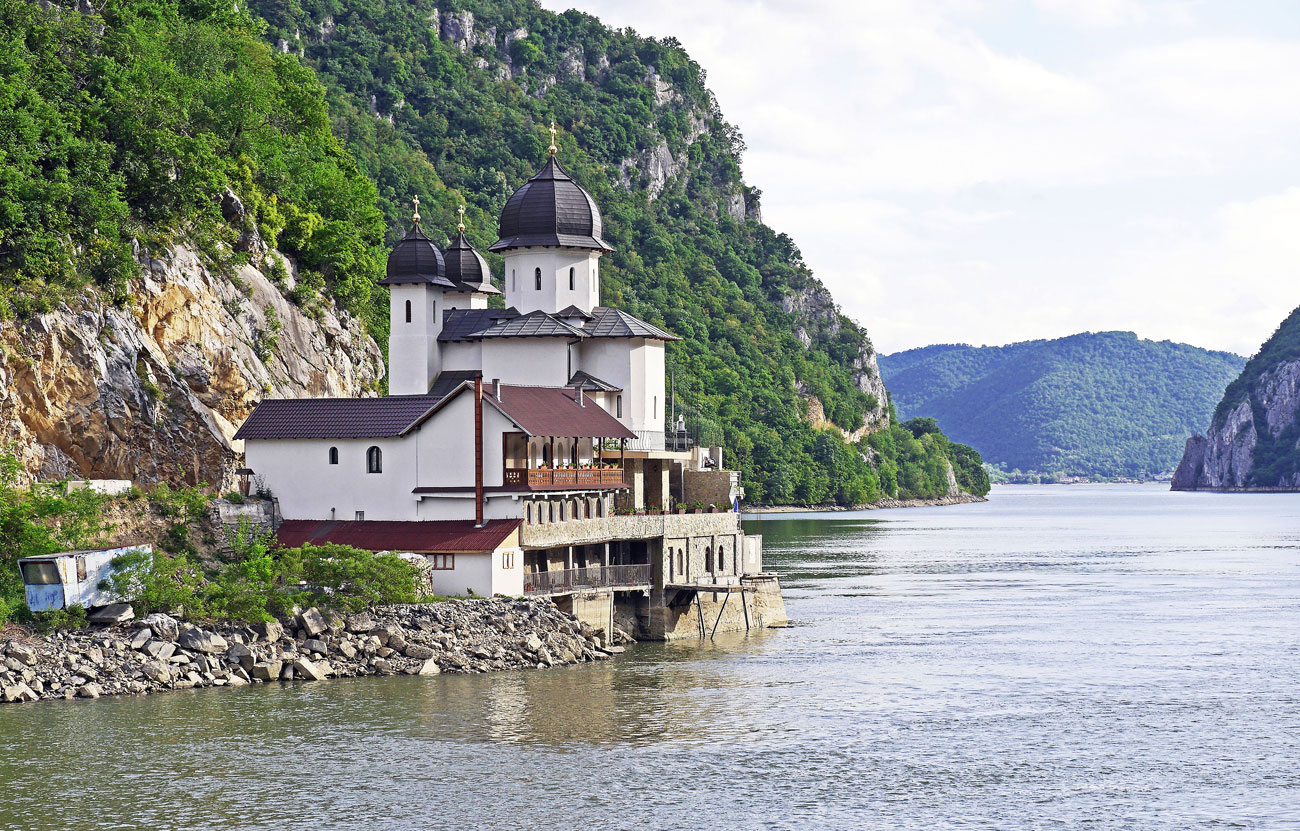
point(159, 653)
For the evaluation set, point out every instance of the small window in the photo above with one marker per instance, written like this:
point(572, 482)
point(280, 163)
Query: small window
point(618, 406)
point(442, 562)
point(360, 515)
point(408, 311)
point(514, 280)
point(570, 278)
point(42, 573)
point(537, 279)
point(708, 558)
point(374, 460)
point(507, 559)
point(654, 407)
point(528, 513)
point(600, 508)
point(681, 563)
point(334, 455)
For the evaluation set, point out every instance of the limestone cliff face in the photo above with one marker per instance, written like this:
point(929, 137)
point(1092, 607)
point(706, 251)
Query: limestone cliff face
point(1256, 446)
point(817, 319)
point(155, 391)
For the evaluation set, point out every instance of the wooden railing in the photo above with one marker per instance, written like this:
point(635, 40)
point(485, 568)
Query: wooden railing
point(595, 577)
point(576, 477)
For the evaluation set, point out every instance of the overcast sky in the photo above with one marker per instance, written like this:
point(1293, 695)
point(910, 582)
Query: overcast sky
point(987, 171)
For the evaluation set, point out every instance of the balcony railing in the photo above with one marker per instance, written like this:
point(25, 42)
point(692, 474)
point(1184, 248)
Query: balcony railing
point(594, 577)
point(573, 477)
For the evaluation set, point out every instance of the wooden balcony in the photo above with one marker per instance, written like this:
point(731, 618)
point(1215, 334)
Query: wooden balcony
point(576, 478)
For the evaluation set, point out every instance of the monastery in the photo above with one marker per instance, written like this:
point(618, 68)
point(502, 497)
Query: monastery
point(522, 450)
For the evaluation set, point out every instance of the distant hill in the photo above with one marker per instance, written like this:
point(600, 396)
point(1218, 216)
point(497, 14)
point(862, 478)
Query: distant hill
point(1254, 441)
point(1104, 404)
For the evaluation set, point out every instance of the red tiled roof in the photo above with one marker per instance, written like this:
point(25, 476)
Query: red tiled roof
point(449, 536)
point(552, 411)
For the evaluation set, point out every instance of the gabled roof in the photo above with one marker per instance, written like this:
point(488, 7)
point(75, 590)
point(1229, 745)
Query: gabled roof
point(591, 382)
point(608, 322)
point(346, 418)
point(445, 536)
point(572, 311)
point(553, 411)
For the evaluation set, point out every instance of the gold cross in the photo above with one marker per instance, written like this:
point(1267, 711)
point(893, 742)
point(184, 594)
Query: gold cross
point(416, 217)
point(461, 225)
point(553, 149)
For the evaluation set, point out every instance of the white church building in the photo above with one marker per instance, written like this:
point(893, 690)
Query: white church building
point(500, 422)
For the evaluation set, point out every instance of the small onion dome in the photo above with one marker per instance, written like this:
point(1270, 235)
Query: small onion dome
point(416, 260)
point(467, 268)
point(550, 209)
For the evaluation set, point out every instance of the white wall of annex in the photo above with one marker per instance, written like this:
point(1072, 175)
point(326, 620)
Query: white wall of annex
point(299, 474)
point(533, 362)
point(413, 358)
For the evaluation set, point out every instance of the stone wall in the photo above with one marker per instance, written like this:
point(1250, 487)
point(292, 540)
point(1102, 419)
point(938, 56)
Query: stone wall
point(633, 527)
point(738, 612)
point(710, 487)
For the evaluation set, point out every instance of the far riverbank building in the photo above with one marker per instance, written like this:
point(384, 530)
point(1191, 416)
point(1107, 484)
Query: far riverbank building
point(523, 449)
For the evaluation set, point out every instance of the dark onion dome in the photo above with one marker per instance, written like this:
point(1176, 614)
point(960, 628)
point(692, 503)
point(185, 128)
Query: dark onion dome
point(416, 260)
point(550, 209)
point(467, 268)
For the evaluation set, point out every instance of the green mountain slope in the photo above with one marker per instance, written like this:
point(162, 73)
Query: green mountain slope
point(1101, 404)
point(326, 116)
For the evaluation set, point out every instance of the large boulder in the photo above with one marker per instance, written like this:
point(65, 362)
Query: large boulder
point(163, 626)
point(199, 640)
point(307, 671)
point(418, 652)
point(269, 631)
point(266, 670)
point(22, 653)
point(312, 621)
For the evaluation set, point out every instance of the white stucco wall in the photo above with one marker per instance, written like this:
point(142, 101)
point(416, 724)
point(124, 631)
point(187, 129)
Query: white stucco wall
point(636, 365)
point(299, 474)
point(520, 279)
point(413, 358)
point(535, 362)
point(461, 355)
point(464, 300)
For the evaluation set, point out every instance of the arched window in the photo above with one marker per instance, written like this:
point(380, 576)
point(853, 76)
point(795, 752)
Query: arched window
point(374, 460)
point(570, 278)
point(681, 563)
point(708, 558)
point(528, 513)
point(654, 408)
point(618, 406)
point(334, 455)
point(537, 279)
point(408, 311)
point(551, 510)
point(573, 454)
point(722, 562)
point(514, 280)
point(600, 508)
point(546, 455)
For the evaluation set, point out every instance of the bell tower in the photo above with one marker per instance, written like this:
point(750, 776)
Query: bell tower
point(416, 278)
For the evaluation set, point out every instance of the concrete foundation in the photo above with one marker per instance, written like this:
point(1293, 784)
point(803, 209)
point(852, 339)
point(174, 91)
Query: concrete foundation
point(710, 613)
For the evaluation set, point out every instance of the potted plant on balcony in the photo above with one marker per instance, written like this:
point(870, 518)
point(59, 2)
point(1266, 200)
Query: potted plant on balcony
point(681, 507)
point(698, 507)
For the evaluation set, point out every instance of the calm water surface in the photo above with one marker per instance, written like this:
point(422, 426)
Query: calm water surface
point(1085, 657)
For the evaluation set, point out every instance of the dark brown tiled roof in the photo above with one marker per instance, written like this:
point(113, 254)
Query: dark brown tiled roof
point(447, 536)
point(550, 209)
point(346, 418)
point(608, 322)
point(551, 411)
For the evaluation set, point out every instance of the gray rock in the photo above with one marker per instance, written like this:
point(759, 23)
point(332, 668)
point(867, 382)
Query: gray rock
point(240, 654)
point(113, 613)
point(266, 670)
point(381, 634)
point(162, 650)
point(157, 671)
point(18, 692)
point(22, 653)
point(90, 691)
point(316, 645)
point(532, 643)
point(307, 671)
point(163, 626)
point(312, 621)
point(418, 652)
point(429, 667)
point(141, 638)
point(396, 640)
point(200, 640)
point(359, 623)
point(269, 631)
point(347, 650)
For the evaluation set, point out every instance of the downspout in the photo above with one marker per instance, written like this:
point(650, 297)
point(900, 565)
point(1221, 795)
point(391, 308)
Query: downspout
point(478, 452)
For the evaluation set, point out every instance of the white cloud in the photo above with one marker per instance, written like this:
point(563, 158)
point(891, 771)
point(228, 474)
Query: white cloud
point(987, 171)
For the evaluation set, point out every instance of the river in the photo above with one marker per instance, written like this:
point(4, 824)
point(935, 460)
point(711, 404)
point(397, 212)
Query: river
point(1058, 657)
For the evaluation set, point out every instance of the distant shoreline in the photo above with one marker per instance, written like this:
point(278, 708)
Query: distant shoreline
point(962, 499)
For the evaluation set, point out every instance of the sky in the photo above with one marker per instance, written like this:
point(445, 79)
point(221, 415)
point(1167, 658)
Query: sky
point(991, 171)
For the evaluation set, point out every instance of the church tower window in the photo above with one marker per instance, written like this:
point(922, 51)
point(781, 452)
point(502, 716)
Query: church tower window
point(570, 278)
point(374, 460)
point(334, 455)
point(408, 311)
point(537, 279)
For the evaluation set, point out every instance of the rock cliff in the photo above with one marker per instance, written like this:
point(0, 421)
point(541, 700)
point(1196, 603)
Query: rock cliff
point(155, 390)
point(1254, 440)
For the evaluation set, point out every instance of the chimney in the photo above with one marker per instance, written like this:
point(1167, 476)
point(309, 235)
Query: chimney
point(496, 389)
point(478, 451)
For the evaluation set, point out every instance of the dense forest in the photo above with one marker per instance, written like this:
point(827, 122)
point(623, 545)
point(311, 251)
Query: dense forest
point(1099, 405)
point(122, 129)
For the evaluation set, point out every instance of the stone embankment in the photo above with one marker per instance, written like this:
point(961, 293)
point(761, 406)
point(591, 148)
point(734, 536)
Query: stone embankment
point(160, 653)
